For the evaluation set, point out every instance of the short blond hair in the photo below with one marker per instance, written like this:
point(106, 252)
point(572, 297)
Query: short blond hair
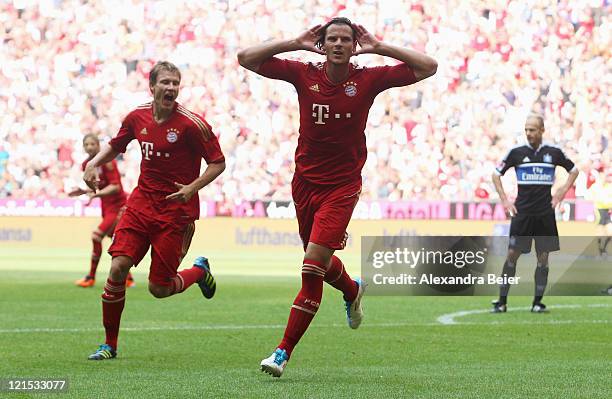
point(162, 66)
point(539, 117)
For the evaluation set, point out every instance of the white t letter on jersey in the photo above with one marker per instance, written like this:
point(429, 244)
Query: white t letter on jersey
point(147, 149)
point(320, 111)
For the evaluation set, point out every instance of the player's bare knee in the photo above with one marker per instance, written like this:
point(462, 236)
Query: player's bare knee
point(319, 254)
point(513, 255)
point(97, 236)
point(159, 291)
point(120, 267)
point(543, 258)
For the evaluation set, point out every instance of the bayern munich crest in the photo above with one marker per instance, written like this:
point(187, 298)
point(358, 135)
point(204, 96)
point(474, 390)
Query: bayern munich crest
point(172, 135)
point(350, 89)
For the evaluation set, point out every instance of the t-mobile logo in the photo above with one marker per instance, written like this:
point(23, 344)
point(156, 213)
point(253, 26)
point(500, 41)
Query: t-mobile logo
point(321, 112)
point(147, 149)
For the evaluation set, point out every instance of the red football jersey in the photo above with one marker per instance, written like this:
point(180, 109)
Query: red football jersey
point(109, 174)
point(171, 152)
point(332, 145)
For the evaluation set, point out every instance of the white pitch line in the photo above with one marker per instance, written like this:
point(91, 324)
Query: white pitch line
point(144, 328)
point(279, 326)
point(449, 318)
point(198, 328)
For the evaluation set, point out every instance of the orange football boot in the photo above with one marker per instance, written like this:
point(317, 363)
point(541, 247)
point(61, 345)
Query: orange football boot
point(86, 282)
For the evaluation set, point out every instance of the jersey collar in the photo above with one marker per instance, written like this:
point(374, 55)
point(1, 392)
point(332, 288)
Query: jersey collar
point(328, 80)
point(174, 107)
point(535, 149)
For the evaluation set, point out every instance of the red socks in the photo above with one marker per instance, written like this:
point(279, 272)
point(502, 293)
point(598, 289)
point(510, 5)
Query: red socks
point(305, 305)
point(186, 278)
point(113, 300)
point(337, 277)
point(95, 257)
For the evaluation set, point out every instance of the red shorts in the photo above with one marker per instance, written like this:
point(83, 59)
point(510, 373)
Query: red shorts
point(324, 212)
point(169, 243)
point(109, 221)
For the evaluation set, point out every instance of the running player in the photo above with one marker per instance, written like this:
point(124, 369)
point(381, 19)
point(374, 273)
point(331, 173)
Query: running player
point(335, 97)
point(533, 213)
point(162, 209)
point(112, 198)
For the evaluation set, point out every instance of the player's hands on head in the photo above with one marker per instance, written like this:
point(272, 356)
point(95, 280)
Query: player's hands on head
point(184, 193)
point(91, 178)
point(307, 40)
point(509, 207)
point(367, 41)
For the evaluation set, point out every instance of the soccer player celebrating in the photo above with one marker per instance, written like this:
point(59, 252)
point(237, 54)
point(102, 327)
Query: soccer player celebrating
point(112, 197)
point(162, 209)
point(335, 97)
point(533, 213)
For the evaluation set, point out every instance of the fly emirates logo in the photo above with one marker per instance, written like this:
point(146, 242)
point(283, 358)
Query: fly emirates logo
point(321, 113)
point(537, 174)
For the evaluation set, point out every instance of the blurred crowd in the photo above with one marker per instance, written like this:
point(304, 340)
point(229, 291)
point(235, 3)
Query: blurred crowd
point(75, 67)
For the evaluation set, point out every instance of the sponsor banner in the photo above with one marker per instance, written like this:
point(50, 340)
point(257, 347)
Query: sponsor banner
point(69, 207)
point(475, 265)
point(49, 207)
point(231, 235)
point(578, 210)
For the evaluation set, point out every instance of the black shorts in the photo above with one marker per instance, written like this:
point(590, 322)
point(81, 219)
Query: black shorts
point(541, 228)
point(604, 216)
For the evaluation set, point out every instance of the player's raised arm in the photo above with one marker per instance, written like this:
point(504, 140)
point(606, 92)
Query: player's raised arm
point(90, 175)
point(107, 191)
point(423, 65)
point(252, 57)
point(77, 191)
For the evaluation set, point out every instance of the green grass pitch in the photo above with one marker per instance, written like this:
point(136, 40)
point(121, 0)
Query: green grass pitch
point(186, 346)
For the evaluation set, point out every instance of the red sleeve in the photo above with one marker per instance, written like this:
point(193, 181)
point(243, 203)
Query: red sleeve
point(385, 77)
point(276, 68)
point(112, 173)
point(209, 149)
point(124, 136)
